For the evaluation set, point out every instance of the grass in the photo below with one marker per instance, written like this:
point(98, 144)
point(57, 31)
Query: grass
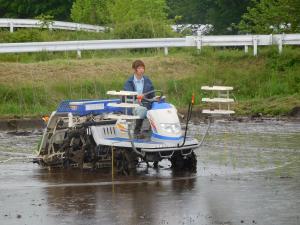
point(33, 84)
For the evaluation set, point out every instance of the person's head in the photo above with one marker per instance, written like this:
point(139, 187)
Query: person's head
point(139, 68)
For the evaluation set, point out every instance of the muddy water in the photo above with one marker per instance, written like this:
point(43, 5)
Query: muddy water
point(248, 173)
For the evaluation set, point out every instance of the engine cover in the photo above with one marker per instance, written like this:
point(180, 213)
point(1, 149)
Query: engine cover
point(164, 122)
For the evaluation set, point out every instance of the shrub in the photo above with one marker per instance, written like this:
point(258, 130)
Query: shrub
point(140, 18)
point(142, 29)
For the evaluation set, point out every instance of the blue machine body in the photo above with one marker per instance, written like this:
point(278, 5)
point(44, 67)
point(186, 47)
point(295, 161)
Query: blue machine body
point(160, 105)
point(88, 107)
point(99, 106)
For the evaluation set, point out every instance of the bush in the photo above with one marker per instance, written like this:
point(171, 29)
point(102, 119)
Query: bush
point(90, 11)
point(36, 35)
point(142, 29)
point(21, 35)
point(140, 18)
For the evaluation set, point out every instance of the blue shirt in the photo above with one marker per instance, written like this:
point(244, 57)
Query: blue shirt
point(139, 84)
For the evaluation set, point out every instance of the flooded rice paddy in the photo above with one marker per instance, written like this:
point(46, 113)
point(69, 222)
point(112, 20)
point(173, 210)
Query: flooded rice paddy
point(248, 173)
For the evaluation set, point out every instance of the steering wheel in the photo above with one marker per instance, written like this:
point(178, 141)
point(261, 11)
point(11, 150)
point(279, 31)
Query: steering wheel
point(153, 99)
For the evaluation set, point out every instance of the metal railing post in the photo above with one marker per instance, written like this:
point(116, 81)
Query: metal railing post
point(78, 54)
point(11, 27)
point(271, 39)
point(166, 51)
point(199, 41)
point(246, 49)
point(255, 45)
point(280, 43)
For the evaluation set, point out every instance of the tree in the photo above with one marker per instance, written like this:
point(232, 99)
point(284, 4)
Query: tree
point(226, 14)
point(222, 14)
point(127, 10)
point(192, 11)
point(60, 10)
point(272, 16)
point(139, 18)
point(91, 11)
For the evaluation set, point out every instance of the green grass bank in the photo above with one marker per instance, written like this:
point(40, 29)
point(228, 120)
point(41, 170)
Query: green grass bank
point(33, 84)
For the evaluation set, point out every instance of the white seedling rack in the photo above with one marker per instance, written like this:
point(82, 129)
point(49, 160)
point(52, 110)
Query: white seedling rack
point(129, 98)
point(222, 99)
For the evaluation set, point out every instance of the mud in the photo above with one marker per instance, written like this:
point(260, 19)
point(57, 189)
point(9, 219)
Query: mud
point(248, 173)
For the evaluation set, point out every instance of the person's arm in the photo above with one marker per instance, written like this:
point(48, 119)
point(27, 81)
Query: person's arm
point(149, 88)
point(128, 86)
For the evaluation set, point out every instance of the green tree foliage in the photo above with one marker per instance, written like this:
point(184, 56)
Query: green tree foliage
point(226, 14)
point(60, 10)
point(91, 11)
point(126, 10)
point(140, 18)
point(222, 14)
point(192, 11)
point(272, 16)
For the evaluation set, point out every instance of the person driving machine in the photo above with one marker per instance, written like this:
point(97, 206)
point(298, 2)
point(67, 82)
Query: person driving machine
point(141, 84)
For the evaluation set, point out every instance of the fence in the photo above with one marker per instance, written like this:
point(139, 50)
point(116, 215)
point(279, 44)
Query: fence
point(12, 23)
point(189, 41)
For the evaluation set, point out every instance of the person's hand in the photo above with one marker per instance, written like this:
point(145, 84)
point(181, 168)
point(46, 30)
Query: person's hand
point(140, 97)
point(157, 98)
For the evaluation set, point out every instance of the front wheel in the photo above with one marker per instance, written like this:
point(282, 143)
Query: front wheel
point(183, 163)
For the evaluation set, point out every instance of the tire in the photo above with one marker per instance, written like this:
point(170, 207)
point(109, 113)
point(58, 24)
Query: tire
point(180, 163)
point(126, 162)
point(191, 162)
point(177, 161)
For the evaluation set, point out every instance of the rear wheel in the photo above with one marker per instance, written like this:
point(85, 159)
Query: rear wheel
point(126, 162)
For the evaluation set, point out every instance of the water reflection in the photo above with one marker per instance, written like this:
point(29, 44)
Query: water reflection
point(119, 202)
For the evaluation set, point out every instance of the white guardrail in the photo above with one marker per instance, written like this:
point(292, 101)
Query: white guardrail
point(12, 23)
point(189, 41)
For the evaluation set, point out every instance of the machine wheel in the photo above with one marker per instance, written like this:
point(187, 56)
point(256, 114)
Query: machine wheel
point(179, 162)
point(191, 162)
point(126, 162)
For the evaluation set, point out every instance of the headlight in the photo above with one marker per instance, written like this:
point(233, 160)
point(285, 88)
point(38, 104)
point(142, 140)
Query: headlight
point(171, 127)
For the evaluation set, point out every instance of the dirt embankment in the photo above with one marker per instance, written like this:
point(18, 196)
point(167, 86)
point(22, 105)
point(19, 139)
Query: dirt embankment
point(264, 85)
point(20, 124)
